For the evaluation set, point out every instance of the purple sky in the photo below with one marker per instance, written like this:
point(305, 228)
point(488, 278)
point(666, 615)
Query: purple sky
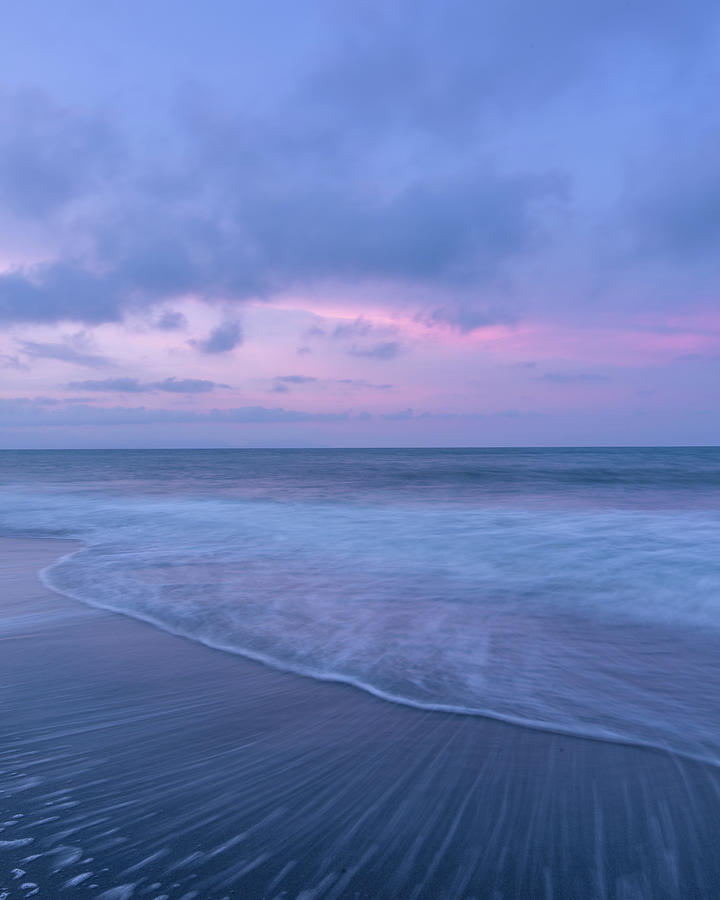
point(326, 223)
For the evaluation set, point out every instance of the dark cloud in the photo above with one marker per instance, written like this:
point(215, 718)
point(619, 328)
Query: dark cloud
point(133, 386)
point(404, 154)
point(231, 223)
point(61, 292)
point(222, 339)
point(383, 350)
point(50, 154)
point(171, 320)
point(467, 315)
point(442, 229)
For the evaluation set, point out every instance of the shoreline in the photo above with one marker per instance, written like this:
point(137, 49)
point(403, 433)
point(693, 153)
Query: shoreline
point(140, 763)
point(75, 546)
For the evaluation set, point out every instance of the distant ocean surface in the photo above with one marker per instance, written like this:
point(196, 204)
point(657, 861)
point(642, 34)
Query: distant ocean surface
point(576, 590)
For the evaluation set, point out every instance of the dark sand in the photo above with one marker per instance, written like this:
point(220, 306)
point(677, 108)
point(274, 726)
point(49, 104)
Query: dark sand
point(134, 763)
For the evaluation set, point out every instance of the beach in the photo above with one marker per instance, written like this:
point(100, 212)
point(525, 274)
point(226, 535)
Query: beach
point(360, 450)
point(136, 763)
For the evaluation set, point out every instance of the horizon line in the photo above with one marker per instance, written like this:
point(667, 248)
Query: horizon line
point(388, 447)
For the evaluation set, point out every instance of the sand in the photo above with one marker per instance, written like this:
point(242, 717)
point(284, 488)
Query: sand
point(134, 763)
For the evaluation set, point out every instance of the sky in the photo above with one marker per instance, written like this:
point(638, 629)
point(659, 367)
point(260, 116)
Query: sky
point(411, 223)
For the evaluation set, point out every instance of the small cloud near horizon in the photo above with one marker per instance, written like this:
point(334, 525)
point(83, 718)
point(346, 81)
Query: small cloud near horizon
point(384, 350)
point(573, 378)
point(133, 386)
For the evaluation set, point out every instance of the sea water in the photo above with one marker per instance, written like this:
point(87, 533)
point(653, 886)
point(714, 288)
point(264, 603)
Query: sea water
point(571, 589)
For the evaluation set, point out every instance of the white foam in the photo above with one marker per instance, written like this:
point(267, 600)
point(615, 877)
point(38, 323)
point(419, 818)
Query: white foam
point(523, 615)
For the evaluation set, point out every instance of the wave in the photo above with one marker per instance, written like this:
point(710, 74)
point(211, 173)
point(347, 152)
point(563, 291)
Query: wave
point(595, 623)
point(316, 674)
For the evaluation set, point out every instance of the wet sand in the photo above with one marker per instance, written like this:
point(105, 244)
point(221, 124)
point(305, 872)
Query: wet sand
point(134, 763)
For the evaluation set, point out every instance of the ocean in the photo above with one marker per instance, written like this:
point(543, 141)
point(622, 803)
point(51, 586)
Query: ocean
point(572, 590)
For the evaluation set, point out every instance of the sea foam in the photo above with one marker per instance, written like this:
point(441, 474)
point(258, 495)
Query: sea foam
point(564, 612)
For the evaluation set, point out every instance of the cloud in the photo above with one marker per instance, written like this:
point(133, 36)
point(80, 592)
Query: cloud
point(361, 384)
point(436, 151)
point(449, 230)
point(222, 339)
point(171, 320)
point(406, 415)
point(133, 386)
point(400, 416)
point(124, 385)
point(468, 314)
point(72, 350)
point(674, 205)
point(444, 69)
point(61, 291)
point(51, 154)
point(281, 383)
point(383, 350)
point(24, 411)
point(10, 361)
point(295, 379)
point(314, 331)
point(358, 328)
point(230, 224)
point(187, 385)
point(572, 378)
